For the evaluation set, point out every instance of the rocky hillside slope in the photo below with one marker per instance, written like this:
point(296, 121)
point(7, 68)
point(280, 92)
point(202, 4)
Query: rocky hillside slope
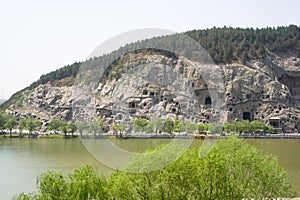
point(264, 87)
point(260, 90)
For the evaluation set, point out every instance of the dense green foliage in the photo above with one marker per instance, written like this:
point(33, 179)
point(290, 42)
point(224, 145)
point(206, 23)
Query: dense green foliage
point(226, 45)
point(145, 126)
point(55, 125)
point(139, 125)
point(231, 170)
point(22, 126)
point(119, 128)
point(248, 127)
point(32, 124)
point(80, 126)
point(96, 126)
point(64, 127)
point(84, 183)
point(10, 122)
point(59, 74)
point(170, 126)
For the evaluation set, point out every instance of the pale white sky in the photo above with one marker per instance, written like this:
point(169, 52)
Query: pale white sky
point(37, 37)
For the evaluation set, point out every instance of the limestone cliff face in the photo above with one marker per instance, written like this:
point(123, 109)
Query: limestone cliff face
point(262, 91)
point(256, 91)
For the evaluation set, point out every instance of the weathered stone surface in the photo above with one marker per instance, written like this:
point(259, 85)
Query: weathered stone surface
point(255, 91)
point(46, 103)
point(260, 90)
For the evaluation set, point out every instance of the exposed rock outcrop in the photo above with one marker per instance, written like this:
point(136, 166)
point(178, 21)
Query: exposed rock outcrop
point(259, 90)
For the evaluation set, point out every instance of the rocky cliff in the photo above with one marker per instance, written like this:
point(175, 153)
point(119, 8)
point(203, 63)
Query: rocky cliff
point(266, 90)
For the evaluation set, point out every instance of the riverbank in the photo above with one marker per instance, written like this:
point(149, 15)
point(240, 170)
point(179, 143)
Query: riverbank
point(153, 136)
point(50, 136)
point(271, 136)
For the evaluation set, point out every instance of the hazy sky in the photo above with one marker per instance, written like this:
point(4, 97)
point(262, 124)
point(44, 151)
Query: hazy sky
point(37, 37)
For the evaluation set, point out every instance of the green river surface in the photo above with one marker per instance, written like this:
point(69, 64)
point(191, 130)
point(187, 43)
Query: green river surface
point(22, 160)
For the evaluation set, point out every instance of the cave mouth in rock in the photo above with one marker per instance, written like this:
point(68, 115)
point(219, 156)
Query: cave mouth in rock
point(207, 101)
point(247, 116)
point(274, 124)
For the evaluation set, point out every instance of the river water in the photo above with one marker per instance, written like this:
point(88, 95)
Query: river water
point(22, 160)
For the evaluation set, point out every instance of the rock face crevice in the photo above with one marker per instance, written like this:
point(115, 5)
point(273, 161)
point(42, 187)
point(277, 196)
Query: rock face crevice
point(259, 90)
point(287, 72)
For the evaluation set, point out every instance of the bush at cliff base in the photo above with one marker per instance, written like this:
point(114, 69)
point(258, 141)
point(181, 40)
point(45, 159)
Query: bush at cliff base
point(231, 170)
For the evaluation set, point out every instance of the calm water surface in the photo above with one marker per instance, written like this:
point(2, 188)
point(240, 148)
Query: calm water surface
point(22, 160)
point(288, 154)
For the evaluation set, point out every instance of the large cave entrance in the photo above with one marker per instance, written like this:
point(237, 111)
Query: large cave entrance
point(207, 101)
point(247, 116)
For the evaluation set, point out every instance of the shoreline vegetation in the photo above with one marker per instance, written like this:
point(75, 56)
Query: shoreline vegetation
point(201, 136)
point(137, 128)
